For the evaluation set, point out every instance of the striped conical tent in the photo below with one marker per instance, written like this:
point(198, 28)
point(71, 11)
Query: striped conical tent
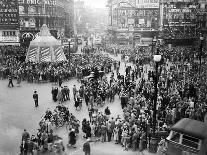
point(45, 48)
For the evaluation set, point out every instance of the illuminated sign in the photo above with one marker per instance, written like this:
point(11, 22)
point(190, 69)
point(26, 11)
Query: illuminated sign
point(9, 14)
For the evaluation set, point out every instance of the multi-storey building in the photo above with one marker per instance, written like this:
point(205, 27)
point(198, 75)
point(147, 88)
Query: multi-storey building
point(57, 14)
point(80, 14)
point(134, 21)
point(9, 23)
point(175, 21)
point(183, 21)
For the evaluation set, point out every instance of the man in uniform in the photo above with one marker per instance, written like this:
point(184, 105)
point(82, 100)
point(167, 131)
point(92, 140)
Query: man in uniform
point(35, 97)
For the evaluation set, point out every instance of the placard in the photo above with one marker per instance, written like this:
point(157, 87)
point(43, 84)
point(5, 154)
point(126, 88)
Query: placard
point(9, 14)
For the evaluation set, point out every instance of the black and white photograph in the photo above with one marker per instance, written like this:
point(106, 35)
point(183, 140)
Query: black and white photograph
point(103, 77)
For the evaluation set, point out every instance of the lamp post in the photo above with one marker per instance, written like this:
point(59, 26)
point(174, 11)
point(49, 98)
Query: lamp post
point(154, 142)
point(200, 53)
point(154, 41)
point(69, 40)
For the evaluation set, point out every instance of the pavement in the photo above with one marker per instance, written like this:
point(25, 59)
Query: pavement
point(18, 112)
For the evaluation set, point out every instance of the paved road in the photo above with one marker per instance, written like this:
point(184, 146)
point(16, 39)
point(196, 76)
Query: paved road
point(17, 112)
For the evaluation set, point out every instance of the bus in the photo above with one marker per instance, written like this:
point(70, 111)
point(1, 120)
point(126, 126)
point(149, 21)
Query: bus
point(187, 137)
point(73, 44)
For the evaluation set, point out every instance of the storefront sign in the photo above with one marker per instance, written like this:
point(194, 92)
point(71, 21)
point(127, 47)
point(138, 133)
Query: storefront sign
point(9, 39)
point(49, 2)
point(180, 10)
point(9, 14)
point(147, 3)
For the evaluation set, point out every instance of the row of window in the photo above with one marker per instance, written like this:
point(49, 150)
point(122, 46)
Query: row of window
point(9, 33)
point(185, 140)
point(55, 11)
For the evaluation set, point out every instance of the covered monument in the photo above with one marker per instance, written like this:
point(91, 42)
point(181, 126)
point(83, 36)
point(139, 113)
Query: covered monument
point(45, 48)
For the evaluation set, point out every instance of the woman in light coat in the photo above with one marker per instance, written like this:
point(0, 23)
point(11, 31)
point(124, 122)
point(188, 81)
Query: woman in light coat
point(116, 135)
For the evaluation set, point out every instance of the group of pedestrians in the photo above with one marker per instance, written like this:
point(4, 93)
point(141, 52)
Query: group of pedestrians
point(179, 95)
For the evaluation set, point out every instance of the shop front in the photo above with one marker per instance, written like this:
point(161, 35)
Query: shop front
point(9, 37)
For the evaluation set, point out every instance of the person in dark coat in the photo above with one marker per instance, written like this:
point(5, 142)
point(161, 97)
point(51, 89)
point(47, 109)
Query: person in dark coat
point(87, 147)
point(53, 94)
point(10, 81)
point(107, 111)
point(72, 137)
point(35, 97)
point(60, 81)
point(25, 135)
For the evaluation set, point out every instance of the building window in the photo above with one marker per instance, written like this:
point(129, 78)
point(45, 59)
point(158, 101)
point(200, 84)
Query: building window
point(190, 141)
point(9, 33)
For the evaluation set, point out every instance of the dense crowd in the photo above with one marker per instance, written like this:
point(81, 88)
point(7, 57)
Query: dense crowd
point(177, 98)
point(12, 66)
point(180, 93)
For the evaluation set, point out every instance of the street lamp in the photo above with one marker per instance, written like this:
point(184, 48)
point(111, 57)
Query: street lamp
point(154, 41)
point(153, 143)
point(69, 40)
point(200, 54)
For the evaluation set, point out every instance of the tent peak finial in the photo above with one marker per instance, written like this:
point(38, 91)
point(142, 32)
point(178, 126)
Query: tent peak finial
point(44, 31)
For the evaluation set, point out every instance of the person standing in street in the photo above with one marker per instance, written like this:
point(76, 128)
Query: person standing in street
point(10, 81)
point(87, 147)
point(74, 92)
point(35, 97)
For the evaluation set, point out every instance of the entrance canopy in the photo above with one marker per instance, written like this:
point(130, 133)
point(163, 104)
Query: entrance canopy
point(45, 48)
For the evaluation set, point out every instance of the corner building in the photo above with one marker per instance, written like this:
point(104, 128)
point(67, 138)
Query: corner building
point(57, 14)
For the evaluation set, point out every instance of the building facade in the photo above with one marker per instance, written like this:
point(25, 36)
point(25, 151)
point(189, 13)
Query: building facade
point(57, 14)
point(174, 21)
point(134, 21)
point(80, 14)
point(183, 21)
point(9, 22)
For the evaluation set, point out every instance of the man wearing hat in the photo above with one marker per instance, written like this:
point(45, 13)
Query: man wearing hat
point(87, 147)
point(35, 97)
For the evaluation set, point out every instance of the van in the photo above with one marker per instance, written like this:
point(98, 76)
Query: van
point(187, 137)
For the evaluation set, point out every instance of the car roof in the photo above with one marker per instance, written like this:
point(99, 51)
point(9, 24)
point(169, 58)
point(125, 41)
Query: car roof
point(191, 127)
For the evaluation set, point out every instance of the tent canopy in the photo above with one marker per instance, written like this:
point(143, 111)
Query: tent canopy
point(45, 48)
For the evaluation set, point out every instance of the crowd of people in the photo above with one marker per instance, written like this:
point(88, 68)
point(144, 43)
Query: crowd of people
point(177, 98)
point(16, 68)
point(45, 139)
point(181, 93)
